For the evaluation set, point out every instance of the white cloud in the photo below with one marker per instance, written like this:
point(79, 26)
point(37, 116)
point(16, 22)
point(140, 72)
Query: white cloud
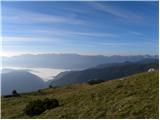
point(78, 33)
point(23, 38)
point(115, 11)
point(53, 35)
point(19, 16)
point(136, 33)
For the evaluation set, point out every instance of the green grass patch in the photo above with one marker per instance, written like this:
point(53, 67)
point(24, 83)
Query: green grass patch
point(133, 97)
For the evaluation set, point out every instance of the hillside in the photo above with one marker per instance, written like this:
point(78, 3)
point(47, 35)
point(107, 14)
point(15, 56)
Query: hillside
point(21, 80)
point(131, 97)
point(105, 72)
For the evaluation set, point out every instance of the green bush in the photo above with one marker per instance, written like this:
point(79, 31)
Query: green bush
point(34, 108)
point(50, 103)
point(39, 91)
point(37, 107)
point(92, 82)
point(15, 94)
point(50, 86)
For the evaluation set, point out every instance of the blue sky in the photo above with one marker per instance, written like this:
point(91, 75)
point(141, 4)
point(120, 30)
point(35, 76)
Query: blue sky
point(92, 28)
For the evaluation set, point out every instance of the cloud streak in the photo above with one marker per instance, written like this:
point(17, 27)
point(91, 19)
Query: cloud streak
point(88, 26)
point(77, 33)
point(115, 11)
point(24, 38)
point(57, 41)
point(19, 16)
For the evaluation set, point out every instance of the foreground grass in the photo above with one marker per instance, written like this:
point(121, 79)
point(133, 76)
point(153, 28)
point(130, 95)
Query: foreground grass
point(133, 97)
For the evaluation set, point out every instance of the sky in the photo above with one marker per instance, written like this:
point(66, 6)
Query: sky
point(88, 28)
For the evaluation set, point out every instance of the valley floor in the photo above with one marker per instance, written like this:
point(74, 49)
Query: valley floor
point(131, 97)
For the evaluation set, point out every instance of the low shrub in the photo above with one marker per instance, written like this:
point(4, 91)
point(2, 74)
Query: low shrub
point(119, 86)
point(50, 86)
point(7, 96)
point(92, 82)
point(34, 108)
point(15, 94)
point(39, 91)
point(37, 107)
point(50, 103)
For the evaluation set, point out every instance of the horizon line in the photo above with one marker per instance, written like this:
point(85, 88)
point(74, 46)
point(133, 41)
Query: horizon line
point(55, 53)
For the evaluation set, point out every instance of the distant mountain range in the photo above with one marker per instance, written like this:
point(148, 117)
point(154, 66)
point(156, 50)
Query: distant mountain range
point(67, 61)
point(109, 68)
point(105, 72)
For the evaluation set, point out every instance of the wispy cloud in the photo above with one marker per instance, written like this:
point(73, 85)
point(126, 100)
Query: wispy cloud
point(77, 33)
point(136, 33)
point(75, 42)
point(54, 35)
point(23, 38)
point(19, 16)
point(115, 11)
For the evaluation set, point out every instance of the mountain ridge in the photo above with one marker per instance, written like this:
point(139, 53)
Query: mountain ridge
point(108, 72)
point(67, 61)
point(20, 80)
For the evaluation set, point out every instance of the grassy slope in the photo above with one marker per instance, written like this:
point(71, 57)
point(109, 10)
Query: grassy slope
point(133, 97)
